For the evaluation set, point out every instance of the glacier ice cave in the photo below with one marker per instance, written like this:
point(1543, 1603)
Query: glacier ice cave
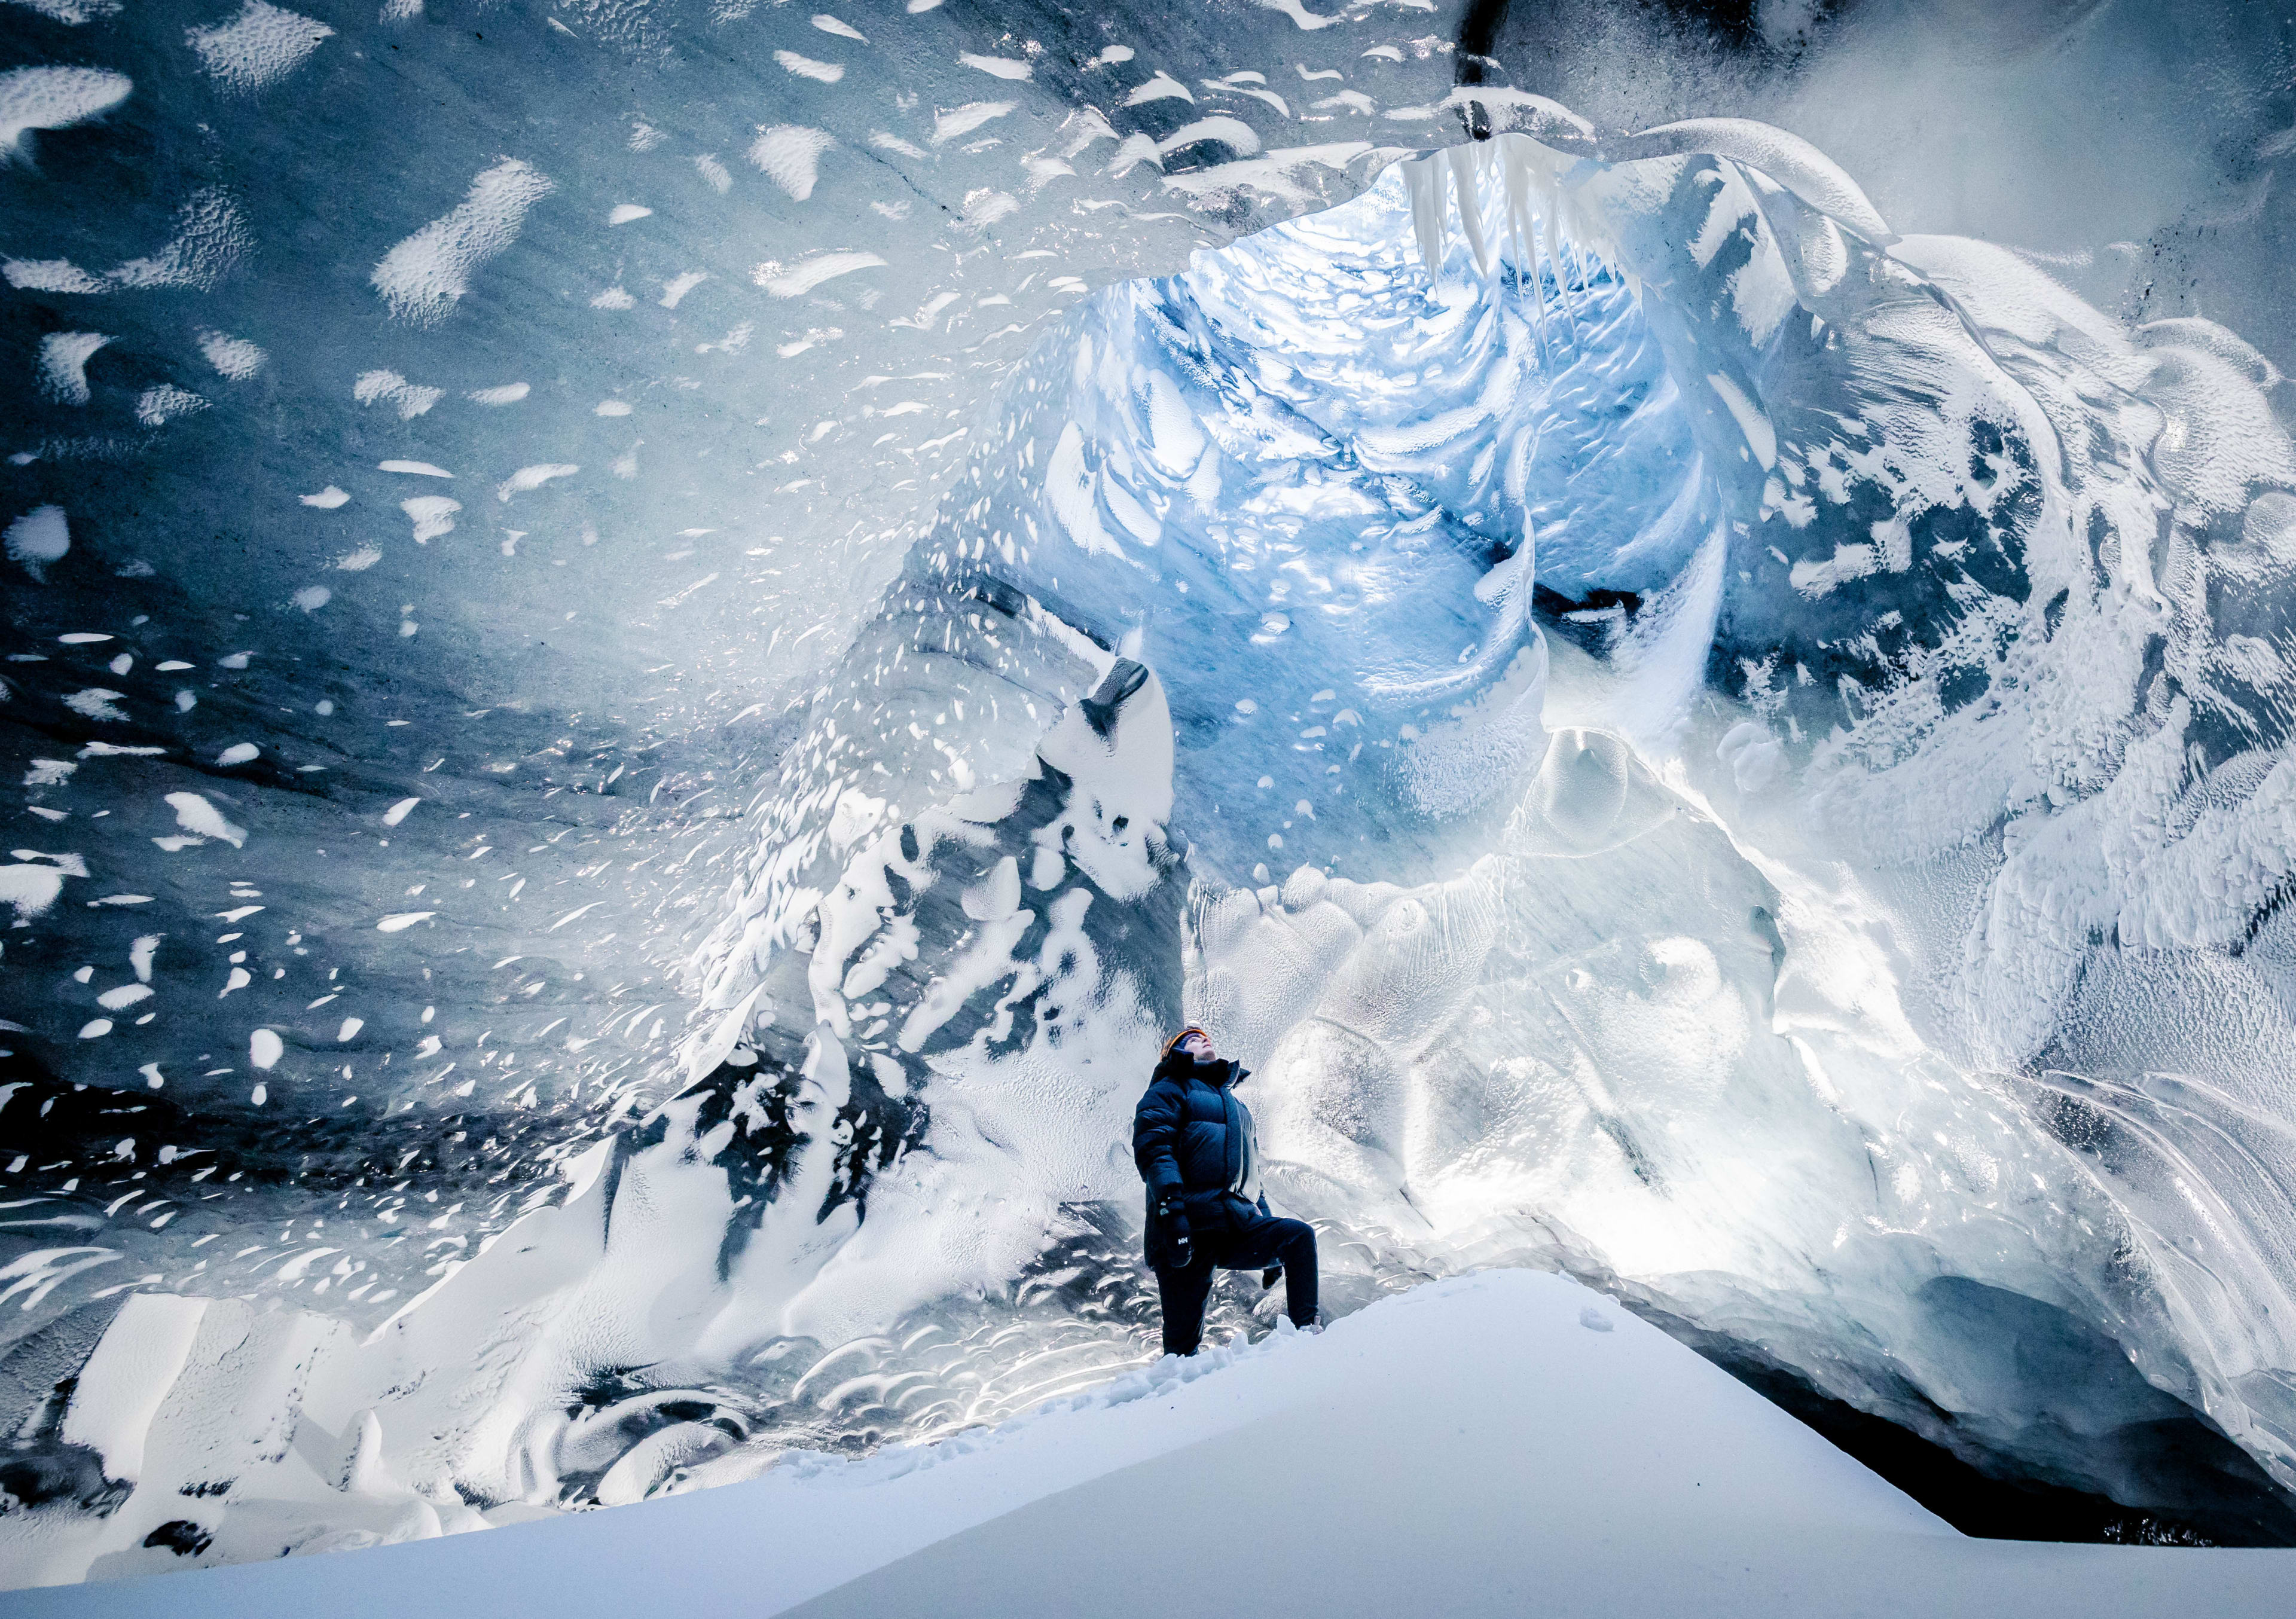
point(651, 645)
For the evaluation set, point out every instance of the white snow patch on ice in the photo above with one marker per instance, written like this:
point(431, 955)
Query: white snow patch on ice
point(210, 235)
point(433, 515)
point(48, 275)
point(196, 815)
point(424, 277)
point(55, 98)
point(998, 67)
point(71, 12)
point(63, 364)
point(158, 407)
point(797, 279)
point(790, 154)
point(258, 47)
point(30, 887)
point(389, 388)
point(38, 539)
point(533, 477)
point(1072, 488)
point(1761, 438)
point(805, 67)
point(1162, 88)
point(97, 703)
point(955, 121)
point(235, 357)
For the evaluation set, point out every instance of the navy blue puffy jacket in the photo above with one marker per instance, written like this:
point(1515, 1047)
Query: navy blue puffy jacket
point(1193, 1140)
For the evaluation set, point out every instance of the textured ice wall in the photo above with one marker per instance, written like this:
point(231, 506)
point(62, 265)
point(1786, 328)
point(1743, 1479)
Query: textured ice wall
point(474, 431)
point(1416, 1038)
point(467, 516)
point(701, 659)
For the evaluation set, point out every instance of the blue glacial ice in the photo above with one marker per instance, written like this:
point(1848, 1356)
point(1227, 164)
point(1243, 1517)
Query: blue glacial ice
point(653, 647)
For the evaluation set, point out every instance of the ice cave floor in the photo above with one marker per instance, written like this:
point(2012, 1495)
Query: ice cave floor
point(1507, 1442)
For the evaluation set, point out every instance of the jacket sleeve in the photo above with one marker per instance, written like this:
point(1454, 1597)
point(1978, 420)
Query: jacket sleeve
point(1156, 1138)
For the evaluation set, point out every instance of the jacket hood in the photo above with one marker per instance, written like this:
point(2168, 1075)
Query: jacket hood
point(1218, 1073)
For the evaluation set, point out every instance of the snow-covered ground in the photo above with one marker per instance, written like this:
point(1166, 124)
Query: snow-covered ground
point(1502, 1442)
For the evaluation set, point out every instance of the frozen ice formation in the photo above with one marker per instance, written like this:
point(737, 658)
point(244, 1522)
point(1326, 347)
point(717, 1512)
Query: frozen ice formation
point(650, 647)
point(43, 97)
point(257, 47)
point(423, 276)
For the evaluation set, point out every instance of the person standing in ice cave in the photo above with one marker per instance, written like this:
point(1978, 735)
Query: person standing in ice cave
point(1194, 1142)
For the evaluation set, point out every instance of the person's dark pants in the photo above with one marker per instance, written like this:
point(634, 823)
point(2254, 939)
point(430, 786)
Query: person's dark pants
point(1251, 1241)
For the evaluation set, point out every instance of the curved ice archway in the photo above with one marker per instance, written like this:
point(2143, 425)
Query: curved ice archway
point(1950, 404)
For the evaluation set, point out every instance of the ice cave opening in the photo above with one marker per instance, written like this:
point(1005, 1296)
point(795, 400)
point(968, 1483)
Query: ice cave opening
point(595, 904)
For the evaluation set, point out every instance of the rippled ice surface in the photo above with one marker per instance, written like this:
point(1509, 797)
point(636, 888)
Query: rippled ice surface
point(624, 762)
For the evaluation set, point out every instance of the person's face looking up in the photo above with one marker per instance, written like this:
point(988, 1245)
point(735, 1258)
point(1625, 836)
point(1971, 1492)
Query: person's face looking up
point(1197, 1044)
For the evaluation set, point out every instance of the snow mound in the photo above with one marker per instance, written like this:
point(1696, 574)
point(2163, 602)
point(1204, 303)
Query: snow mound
point(1471, 1446)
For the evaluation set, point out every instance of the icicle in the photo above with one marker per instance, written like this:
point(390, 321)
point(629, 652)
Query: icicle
point(1511, 192)
point(1550, 228)
point(1555, 241)
point(1471, 214)
point(1422, 177)
point(1534, 170)
point(1514, 168)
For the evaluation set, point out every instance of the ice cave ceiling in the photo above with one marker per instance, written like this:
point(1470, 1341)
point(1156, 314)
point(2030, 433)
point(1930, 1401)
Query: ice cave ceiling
point(649, 643)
